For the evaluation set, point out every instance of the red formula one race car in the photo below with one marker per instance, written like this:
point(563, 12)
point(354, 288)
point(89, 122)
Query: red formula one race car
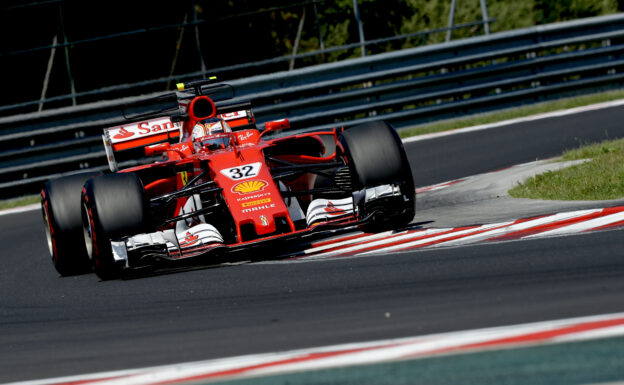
point(222, 186)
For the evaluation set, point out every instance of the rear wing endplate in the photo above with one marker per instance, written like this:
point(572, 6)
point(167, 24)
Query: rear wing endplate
point(138, 135)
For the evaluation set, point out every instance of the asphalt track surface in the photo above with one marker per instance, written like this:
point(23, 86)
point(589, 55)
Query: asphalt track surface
point(52, 326)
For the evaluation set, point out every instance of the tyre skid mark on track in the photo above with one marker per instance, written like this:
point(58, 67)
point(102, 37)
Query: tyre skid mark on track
point(565, 223)
point(363, 353)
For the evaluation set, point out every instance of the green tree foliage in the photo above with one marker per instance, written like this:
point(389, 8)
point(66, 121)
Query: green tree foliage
point(549, 11)
point(234, 32)
point(395, 17)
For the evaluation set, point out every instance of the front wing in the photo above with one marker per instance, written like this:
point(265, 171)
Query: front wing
point(204, 241)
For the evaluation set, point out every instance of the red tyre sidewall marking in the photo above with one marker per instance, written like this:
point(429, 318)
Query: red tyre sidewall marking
point(50, 227)
point(96, 257)
point(94, 251)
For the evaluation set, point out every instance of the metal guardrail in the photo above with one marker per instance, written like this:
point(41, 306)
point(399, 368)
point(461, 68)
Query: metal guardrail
point(404, 87)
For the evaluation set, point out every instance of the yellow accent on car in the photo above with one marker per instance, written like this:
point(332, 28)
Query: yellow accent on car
point(184, 177)
point(256, 203)
point(249, 187)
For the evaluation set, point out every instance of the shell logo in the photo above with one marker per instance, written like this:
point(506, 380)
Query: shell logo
point(249, 186)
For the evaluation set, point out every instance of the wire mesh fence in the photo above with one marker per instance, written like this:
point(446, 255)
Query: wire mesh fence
point(84, 52)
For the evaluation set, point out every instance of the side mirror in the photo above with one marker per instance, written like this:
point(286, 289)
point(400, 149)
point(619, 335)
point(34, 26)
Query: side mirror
point(276, 125)
point(157, 149)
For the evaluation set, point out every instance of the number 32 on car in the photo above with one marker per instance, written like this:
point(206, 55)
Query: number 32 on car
point(242, 172)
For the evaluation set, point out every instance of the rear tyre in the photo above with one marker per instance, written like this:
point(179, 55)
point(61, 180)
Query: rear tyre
point(377, 157)
point(113, 206)
point(60, 207)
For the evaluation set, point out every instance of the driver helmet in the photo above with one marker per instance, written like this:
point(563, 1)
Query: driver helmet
point(206, 134)
point(209, 127)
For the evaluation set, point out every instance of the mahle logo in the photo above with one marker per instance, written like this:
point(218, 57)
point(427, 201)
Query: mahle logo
point(250, 186)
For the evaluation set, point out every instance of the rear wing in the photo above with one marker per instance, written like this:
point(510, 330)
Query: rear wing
point(161, 118)
point(129, 140)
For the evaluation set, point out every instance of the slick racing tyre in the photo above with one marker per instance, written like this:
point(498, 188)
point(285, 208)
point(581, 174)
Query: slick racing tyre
point(60, 206)
point(113, 206)
point(376, 157)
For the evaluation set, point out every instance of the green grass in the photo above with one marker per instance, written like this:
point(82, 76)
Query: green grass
point(18, 202)
point(599, 179)
point(512, 113)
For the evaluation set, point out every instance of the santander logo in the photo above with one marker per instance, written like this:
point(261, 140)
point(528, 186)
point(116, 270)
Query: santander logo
point(142, 129)
point(123, 134)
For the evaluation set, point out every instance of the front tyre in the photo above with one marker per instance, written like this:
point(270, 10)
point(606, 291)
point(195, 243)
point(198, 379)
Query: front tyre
point(113, 206)
point(376, 157)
